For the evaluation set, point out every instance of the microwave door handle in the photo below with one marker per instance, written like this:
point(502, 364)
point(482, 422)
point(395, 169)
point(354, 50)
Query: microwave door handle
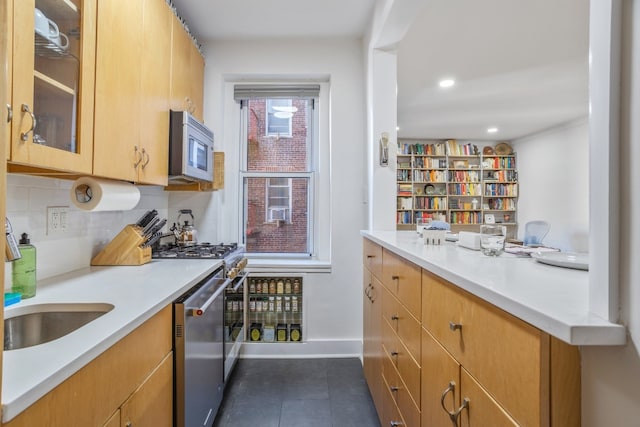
point(199, 311)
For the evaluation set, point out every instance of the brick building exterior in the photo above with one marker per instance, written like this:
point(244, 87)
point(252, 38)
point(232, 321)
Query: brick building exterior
point(277, 153)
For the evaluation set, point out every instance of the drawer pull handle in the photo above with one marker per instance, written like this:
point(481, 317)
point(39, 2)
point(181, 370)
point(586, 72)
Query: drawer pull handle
point(455, 326)
point(396, 423)
point(393, 389)
point(394, 353)
point(394, 317)
point(371, 256)
point(395, 277)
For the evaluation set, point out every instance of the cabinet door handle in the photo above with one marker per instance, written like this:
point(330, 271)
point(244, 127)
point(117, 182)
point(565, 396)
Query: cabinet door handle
point(367, 291)
point(396, 423)
point(25, 135)
point(128, 424)
point(395, 277)
point(451, 388)
point(9, 113)
point(368, 256)
point(393, 389)
point(138, 156)
point(456, 414)
point(145, 154)
point(394, 353)
point(394, 317)
point(455, 326)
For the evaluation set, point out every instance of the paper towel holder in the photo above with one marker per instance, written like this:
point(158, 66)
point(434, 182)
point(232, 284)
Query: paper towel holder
point(84, 194)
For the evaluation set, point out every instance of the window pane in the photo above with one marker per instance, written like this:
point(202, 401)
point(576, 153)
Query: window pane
point(286, 152)
point(276, 225)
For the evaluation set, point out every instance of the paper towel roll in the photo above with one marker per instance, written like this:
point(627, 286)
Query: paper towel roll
point(93, 194)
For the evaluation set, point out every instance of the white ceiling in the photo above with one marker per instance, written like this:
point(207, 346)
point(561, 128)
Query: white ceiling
point(519, 65)
point(254, 19)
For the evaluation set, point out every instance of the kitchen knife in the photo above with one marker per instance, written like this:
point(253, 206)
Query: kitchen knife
point(157, 227)
point(154, 238)
point(149, 226)
point(146, 218)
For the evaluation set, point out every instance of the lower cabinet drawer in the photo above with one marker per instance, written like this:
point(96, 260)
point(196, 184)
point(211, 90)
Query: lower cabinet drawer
point(402, 322)
point(390, 412)
point(408, 368)
point(408, 408)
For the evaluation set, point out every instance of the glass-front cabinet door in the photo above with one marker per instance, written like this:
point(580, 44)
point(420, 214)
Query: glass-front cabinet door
point(53, 86)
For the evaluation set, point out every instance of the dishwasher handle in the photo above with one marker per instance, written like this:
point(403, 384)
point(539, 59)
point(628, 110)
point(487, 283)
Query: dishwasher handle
point(200, 311)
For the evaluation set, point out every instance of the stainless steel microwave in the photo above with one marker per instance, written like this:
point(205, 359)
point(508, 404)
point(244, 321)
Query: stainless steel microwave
point(190, 149)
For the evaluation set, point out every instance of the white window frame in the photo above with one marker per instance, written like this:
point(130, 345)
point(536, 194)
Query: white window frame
point(314, 193)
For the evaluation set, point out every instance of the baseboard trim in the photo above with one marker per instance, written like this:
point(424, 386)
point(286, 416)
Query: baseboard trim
point(307, 349)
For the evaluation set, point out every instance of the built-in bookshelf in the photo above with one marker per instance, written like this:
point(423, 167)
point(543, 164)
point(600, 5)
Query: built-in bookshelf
point(455, 182)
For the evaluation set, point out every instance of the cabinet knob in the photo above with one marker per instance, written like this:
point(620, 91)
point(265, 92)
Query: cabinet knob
point(394, 353)
point(393, 389)
point(368, 256)
point(395, 277)
point(9, 113)
point(25, 135)
point(396, 423)
point(455, 326)
point(129, 424)
point(394, 317)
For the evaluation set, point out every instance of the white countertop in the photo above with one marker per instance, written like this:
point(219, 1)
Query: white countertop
point(136, 292)
point(553, 299)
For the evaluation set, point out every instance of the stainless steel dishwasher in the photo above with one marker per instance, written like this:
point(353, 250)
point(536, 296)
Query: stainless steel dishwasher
point(198, 317)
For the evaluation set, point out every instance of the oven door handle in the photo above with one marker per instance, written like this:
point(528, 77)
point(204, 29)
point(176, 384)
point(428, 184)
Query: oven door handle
point(199, 311)
point(243, 278)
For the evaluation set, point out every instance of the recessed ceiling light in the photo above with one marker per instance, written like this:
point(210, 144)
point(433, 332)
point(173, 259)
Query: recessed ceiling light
point(447, 83)
point(492, 130)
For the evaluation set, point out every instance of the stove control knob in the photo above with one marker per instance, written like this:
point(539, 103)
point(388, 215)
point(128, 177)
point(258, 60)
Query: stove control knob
point(243, 263)
point(232, 273)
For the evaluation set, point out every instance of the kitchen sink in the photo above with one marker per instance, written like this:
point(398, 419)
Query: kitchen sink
point(41, 323)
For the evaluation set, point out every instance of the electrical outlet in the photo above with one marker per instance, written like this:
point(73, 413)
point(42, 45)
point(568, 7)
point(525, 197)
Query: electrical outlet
point(57, 217)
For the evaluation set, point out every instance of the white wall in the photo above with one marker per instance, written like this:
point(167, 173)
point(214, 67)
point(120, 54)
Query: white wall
point(610, 386)
point(553, 177)
point(333, 300)
point(87, 232)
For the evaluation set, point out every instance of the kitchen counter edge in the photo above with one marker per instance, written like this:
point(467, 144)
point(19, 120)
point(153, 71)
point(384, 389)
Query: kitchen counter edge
point(137, 294)
point(553, 299)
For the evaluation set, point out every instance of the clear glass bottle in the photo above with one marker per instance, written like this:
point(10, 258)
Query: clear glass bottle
point(23, 274)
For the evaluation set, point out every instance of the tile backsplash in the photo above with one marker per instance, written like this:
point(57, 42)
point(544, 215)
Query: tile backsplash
point(87, 232)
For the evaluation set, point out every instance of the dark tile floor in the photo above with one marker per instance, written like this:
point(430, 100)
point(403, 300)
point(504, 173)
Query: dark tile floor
point(297, 393)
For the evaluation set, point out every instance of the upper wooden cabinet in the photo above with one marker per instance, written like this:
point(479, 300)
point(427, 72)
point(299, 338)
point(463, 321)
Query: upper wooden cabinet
point(53, 84)
point(187, 73)
point(132, 91)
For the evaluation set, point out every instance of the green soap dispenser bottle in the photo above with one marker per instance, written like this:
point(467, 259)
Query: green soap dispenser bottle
point(23, 274)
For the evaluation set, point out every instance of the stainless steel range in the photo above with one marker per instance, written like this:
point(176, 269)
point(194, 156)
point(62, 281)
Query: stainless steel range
point(207, 336)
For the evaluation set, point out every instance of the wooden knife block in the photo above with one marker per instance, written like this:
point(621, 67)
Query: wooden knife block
point(124, 249)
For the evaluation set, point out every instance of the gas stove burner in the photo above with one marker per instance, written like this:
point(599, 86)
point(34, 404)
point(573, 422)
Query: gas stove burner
point(200, 250)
